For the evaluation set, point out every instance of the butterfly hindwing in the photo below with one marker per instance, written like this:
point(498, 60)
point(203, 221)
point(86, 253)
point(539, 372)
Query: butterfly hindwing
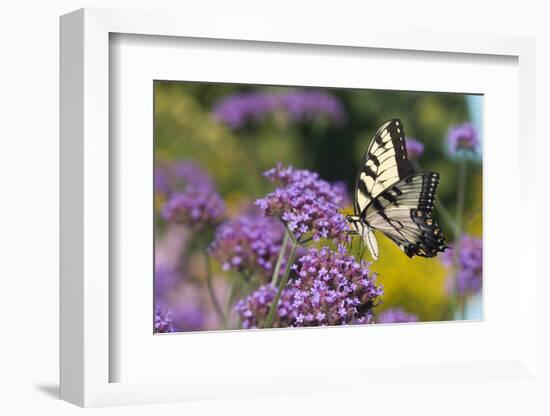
point(385, 162)
point(403, 212)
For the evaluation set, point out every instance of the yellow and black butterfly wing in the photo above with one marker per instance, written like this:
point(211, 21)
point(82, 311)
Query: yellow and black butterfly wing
point(391, 198)
point(385, 163)
point(403, 212)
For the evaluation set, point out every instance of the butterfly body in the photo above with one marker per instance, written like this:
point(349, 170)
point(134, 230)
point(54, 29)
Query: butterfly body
point(393, 199)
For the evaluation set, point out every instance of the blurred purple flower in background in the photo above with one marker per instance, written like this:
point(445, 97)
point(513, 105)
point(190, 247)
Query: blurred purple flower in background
point(179, 316)
point(415, 148)
point(188, 317)
point(196, 207)
point(237, 109)
point(463, 139)
point(306, 105)
point(395, 315)
point(249, 243)
point(305, 203)
point(175, 177)
point(470, 265)
point(166, 279)
point(299, 105)
point(327, 288)
point(163, 321)
point(195, 202)
point(341, 190)
point(162, 180)
point(190, 173)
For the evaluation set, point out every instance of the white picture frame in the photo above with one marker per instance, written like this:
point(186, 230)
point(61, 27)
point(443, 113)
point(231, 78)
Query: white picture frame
point(87, 355)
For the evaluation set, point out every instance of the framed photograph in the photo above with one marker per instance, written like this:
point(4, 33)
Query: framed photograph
point(226, 198)
point(250, 235)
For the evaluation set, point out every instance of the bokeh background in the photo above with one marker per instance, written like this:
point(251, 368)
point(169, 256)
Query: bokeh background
point(234, 133)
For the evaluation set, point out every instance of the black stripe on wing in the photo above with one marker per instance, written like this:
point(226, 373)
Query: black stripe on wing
point(404, 214)
point(385, 162)
point(397, 133)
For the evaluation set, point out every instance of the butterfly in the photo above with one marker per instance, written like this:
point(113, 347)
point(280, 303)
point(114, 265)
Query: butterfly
point(393, 199)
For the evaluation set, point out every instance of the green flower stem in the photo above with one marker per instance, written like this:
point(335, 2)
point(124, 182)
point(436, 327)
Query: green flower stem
point(282, 283)
point(230, 298)
point(211, 293)
point(457, 300)
point(277, 269)
point(440, 207)
point(473, 216)
point(461, 192)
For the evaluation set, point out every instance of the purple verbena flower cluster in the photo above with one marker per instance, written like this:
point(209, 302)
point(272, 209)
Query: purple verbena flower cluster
point(395, 315)
point(332, 288)
point(253, 309)
point(174, 177)
point(194, 201)
point(415, 148)
point(248, 244)
point(299, 105)
point(163, 321)
point(326, 288)
point(196, 207)
point(463, 139)
point(305, 203)
point(469, 275)
point(188, 172)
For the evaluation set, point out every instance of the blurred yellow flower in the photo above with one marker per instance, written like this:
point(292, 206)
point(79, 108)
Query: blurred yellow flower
point(417, 285)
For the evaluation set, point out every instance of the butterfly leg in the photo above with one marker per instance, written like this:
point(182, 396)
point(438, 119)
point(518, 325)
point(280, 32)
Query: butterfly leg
point(364, 246)
point(349, 241)
point(362, 252)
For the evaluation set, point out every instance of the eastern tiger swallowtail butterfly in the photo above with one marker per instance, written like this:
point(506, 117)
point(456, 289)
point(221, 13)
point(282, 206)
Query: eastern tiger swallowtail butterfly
point(393, 199)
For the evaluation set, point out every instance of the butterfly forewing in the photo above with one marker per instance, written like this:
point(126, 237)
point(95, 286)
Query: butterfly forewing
point(384, 163)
